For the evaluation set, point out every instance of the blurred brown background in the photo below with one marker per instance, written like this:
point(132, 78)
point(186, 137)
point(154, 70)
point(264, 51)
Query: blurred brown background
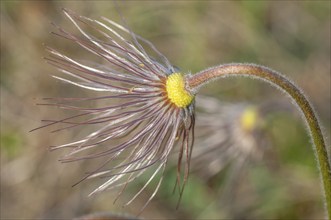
point(292, 37)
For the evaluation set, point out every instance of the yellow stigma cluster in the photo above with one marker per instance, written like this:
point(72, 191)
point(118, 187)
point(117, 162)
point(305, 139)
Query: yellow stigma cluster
point(175, 86)
point(249, 118)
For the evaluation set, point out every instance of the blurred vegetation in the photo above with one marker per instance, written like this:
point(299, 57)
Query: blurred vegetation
point(292, 37)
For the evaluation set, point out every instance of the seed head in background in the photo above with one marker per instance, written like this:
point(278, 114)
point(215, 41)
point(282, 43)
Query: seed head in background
point(146, 110)
point(239, 135)
point(232, 145)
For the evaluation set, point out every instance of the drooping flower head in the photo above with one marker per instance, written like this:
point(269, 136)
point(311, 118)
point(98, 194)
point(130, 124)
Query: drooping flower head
point(146, 109)
point(237, 135)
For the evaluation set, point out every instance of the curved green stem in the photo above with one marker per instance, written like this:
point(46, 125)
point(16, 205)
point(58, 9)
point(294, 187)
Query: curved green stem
point(194, 82)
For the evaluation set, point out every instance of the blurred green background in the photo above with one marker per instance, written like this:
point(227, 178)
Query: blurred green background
point(292, 37)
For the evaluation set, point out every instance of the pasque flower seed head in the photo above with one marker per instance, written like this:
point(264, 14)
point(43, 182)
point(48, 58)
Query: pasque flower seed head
point(147, 109)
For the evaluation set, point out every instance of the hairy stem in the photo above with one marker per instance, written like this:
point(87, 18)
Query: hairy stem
point(194, 82)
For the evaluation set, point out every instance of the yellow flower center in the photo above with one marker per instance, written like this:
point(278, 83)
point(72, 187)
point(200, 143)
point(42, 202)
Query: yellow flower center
point(176, 91)
point(249, 119)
